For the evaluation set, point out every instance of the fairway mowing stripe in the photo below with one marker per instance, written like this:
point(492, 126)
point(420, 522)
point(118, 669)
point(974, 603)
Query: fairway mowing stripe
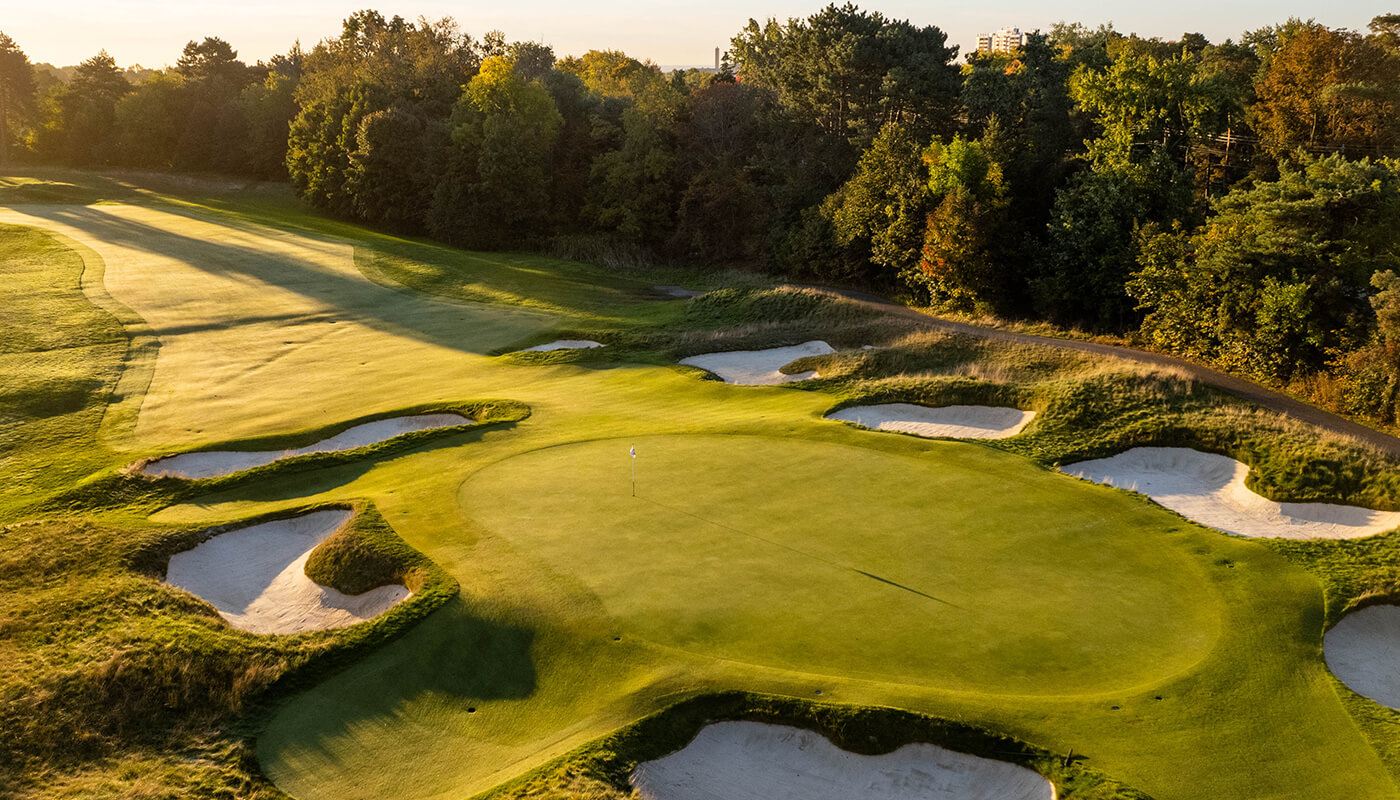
point(803, 553)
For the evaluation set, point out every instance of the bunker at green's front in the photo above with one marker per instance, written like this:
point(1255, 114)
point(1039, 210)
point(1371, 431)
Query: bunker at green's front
point(959, 568)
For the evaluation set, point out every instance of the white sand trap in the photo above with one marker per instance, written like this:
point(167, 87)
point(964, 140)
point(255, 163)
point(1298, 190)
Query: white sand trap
point(954, 422)
point(563, 344)
point(217, 463)
point(1363, 651)
point(1209, 489)
point(256, 578)
point(677, 291)
point(759, 367)
point(756, 761)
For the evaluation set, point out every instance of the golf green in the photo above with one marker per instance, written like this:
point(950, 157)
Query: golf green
point(951, 568)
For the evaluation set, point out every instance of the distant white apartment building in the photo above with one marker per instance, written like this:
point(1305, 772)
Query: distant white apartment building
point(1006, 40)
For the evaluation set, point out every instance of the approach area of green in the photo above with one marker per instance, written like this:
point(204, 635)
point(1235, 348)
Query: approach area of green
point(840, 559)
point(765, 548)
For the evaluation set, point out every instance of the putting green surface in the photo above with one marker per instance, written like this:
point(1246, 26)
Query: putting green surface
point(843, 560)
point(766, 549)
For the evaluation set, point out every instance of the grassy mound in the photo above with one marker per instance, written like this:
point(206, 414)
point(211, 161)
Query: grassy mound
point(366, 553)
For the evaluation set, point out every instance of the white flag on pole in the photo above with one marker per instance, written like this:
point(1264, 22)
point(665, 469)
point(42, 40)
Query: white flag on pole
point(633, 451)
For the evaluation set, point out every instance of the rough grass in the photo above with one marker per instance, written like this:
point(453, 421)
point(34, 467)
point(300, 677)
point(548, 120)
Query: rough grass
point(366, 553)
point(152, 676)
point(60, 358)
point(579, 291)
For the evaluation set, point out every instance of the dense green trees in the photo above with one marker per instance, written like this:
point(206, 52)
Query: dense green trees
point(1214, 198)
point(1275, 283)
point(17, 93)
point(496, 186)
point(851, 72)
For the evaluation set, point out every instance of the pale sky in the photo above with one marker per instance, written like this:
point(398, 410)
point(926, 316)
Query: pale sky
point(669, 32)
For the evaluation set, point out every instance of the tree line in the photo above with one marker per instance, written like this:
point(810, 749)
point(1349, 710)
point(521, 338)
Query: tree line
point(1236, 202)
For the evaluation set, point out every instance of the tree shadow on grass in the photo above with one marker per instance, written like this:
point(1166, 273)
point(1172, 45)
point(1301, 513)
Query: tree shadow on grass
point(456, 325)
point(454, 657)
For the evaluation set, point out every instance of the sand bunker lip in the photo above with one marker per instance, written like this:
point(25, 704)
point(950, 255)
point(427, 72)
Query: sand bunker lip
point(759, 367)
point(758, 761)
point(1210, 489)
point(256, 577)
point(953, 422)
point(564, 344)
point(1363, 651)
point(218, 463)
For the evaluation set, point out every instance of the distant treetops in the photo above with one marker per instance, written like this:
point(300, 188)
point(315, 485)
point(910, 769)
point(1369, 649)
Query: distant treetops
point(1232, 201)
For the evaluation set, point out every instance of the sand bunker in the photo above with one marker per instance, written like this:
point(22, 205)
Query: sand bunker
point(756, 761)
point(256, 578)
point(759, 367)
point(563, 344)
point(677, 291)
point(217, 463)
point(1209, 489)
point(954, 422)
point(1363, 651)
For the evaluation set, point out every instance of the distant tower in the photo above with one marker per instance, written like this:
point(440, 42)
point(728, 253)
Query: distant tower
point(716, 59)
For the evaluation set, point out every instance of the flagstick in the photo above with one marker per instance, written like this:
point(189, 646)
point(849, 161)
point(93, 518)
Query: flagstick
point(634, 476)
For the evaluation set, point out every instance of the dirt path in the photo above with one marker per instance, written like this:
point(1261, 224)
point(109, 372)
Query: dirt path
point(1240, 387)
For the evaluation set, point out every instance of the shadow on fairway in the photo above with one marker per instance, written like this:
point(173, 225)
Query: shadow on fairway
point(454, 657)
point(407, 313)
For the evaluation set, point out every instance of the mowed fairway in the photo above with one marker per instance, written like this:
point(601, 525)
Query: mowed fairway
point(766, 549)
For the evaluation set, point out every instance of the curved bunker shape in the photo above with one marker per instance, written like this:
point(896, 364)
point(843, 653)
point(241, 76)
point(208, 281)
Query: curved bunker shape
point(1209, 489)
point(256, 577)
point(759, 367)
point(953, 422)
point(1363, 651)
point(758, 761)
point(218, 463)
point(563, 344)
